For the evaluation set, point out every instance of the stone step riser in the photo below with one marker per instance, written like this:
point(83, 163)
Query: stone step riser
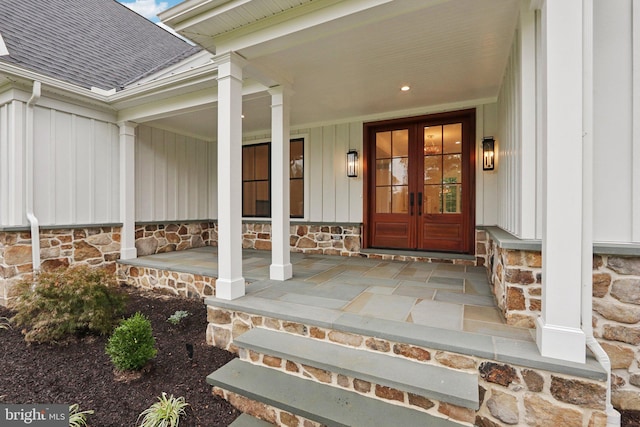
point(365, 388)
point(283, 399)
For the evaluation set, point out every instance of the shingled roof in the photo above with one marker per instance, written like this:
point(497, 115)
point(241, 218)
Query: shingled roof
point(89, 43)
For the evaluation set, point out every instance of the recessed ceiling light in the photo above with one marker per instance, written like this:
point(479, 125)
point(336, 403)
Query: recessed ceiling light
point(242, 116)
point(405, 88)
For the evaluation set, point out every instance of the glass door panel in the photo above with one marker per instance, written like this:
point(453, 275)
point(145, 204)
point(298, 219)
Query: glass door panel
point(392, 171)
point(442, 150)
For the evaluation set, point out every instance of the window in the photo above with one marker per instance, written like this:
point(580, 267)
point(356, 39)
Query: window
point(256, 179)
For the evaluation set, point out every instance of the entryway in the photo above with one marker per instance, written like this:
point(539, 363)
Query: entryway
point(419, 183)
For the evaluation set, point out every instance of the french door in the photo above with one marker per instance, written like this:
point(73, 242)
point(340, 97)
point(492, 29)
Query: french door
point(420, 184)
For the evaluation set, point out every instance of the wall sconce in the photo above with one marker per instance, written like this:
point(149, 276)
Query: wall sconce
point(488, 153)
point(352, 163)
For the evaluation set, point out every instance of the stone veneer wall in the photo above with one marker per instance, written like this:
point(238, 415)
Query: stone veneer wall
point(157, 238)
point(94, 246)
point(516, 277)
point(616, 322)
point(325, 239)
point(99, 246)
point(509, 394)
point(167, 282)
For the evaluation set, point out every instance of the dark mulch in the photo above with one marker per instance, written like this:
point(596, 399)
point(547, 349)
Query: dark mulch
point(81, 372)
point(630, 418)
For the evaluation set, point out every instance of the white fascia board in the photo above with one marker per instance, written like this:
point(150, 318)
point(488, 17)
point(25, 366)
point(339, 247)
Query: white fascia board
point(206, 74)
point(194, 61)
point(187, 9)
point(24, 78)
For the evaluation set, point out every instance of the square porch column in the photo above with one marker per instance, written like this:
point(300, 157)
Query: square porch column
point(281, 268)
point(128, 190)
point(230, 283)
point(559, 333)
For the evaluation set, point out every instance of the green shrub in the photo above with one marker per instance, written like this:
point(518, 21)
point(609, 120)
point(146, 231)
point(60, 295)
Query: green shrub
point(177, 317)
point(78, 418)
point(132, 344)
point(164, 413)
point(66, 302)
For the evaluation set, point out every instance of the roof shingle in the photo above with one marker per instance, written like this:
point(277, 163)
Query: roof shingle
point(89, 43)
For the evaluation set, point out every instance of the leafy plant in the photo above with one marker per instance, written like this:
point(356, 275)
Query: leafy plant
point(78, 418)
point(4, 323)
point(177, 317)
point(67, 301)
point(164, 413)
point(132, 344)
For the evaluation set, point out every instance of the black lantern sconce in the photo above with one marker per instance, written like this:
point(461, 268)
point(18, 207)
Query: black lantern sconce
point(352, 163)
point(488, 153)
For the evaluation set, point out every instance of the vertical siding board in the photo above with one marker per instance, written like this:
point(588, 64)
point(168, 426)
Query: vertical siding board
point(42, 155)
point(315, 175)
point(82, 170)
point(4, 165)
point(159, 174)
point(114, 143)
point(192, 201)
point(356, 184)
point(183, 183)
point(203, 181)
point(480, 219)
point(341, 180)
point(101, 185)
point(16, 164)
point(328, 177)
point(144, 175)
point(213, 181)
point(172, 176)
point(64, 165)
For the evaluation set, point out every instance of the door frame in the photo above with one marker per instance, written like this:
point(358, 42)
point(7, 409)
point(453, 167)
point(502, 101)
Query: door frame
point(369, 129)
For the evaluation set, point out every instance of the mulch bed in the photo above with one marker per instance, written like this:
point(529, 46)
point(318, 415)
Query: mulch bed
point(80, 371)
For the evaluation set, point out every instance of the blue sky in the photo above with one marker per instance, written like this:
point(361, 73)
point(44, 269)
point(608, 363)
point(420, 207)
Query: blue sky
point(150, 8)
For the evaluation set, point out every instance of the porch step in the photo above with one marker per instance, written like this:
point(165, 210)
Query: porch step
point(318, 402)
point(246, 420)
point(434, 382)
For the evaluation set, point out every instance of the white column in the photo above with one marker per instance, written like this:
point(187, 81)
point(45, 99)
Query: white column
point(527, 96)
point(128, 190)
point(230, 283)
point(559, 333)
point(281, 268)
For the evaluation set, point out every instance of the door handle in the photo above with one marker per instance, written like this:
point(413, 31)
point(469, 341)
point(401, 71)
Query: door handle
point(419, 204)
point(411, 202)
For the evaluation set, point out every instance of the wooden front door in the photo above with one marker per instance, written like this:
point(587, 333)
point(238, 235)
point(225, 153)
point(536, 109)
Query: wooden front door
point(419, 183)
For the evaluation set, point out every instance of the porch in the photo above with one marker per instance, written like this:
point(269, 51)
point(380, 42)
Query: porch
point(418, 339)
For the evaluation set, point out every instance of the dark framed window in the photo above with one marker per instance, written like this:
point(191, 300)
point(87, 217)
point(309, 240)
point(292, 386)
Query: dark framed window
point(256, 179)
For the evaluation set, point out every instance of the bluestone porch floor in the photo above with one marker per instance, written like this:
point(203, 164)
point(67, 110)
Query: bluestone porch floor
point(446, 296)
point(442, 306)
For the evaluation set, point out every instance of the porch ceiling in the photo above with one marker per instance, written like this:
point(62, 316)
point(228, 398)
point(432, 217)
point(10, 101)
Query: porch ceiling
point(448, 52)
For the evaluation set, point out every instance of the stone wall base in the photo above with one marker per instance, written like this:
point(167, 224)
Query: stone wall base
point(509, 394)
point(93, 246)
point(167, 282)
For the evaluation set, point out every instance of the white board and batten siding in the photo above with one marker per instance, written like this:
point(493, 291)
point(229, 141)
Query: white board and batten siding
point(75, 166)
point(175, 176)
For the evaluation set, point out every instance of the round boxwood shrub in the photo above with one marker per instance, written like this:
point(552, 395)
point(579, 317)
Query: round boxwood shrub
point(67, 301)
point(132, 344)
